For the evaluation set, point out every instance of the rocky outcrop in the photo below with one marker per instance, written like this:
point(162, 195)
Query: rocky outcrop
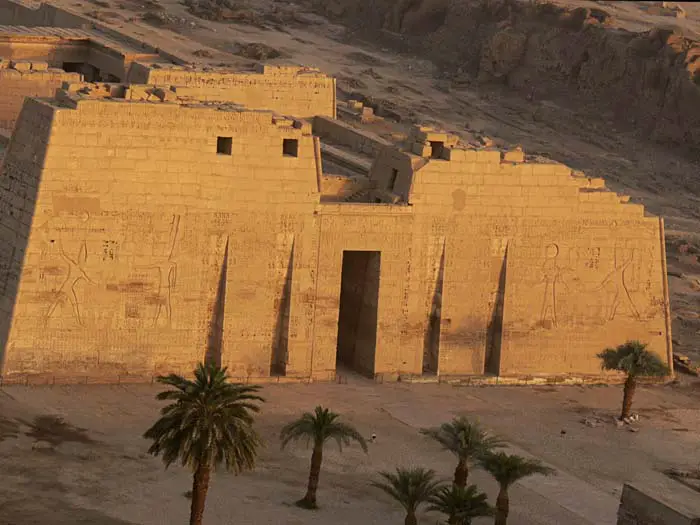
point(649, 81)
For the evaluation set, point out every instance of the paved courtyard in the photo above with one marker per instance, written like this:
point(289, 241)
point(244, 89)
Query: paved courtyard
point(101, 475)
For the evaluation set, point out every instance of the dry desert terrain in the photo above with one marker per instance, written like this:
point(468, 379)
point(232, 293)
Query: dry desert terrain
point(93, 469)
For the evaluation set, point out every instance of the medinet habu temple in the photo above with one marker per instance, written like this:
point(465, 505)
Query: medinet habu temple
point(155, 214)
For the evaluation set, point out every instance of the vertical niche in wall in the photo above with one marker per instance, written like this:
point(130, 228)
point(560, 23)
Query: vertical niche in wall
point(431, 342)
point(216, 324)
point(280, 344)
point(494, 330)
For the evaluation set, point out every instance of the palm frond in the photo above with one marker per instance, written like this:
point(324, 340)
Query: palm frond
point(465, 439)
point(461, 503)
point(320, 426)
point(209, 421)
point(410, 487)
point(507, 469)
point(634, 359)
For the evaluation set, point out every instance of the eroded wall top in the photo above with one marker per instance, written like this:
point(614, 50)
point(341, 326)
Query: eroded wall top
point(292, 90)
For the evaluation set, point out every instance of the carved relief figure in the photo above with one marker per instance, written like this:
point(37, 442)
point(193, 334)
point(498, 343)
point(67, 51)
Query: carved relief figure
point(67, 291)
point(552, 278)
point(617, 285)
point(166, 276)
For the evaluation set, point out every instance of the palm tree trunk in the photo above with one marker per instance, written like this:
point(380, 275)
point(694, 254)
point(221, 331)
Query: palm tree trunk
point(502, 507)
point(314, 473)
point(200, 486)
point(410, 518)
point(461, 474)
point(628, 394)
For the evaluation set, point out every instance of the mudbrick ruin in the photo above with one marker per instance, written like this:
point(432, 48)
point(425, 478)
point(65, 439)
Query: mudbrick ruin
point(154, 214)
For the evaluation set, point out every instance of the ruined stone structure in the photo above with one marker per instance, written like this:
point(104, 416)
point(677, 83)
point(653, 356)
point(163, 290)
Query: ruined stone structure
point(185, 214)
point(668, 503)
point(38, 60)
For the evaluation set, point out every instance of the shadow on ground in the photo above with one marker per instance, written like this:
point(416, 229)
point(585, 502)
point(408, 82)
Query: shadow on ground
point(55, 430)
point(9, 428)
point(55, 512)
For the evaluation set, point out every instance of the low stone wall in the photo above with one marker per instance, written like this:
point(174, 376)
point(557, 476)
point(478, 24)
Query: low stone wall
point(47, 15)
point(677, 506)
point(338, 132)
point(147, 377)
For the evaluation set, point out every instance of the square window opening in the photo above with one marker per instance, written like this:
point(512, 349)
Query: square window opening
point(437, 149)
point(394, 176)
point(290, 147)
point(224, 145)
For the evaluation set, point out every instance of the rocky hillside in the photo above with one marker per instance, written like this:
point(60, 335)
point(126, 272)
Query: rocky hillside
point(649, 82)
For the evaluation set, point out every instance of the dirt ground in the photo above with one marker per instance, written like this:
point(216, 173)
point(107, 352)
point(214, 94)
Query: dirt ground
point(93, 468)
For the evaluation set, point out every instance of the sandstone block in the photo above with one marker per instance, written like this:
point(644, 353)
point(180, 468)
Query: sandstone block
point(20, 65)
point(514, 156)
point(488, 156)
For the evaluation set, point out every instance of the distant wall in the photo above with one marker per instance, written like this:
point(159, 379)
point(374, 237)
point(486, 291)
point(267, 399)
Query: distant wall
point(641, 508)
point(336, 188)
point(338, 132)
point(16, 85)
point(46, 15)
point(53, 51)
point(286, 90)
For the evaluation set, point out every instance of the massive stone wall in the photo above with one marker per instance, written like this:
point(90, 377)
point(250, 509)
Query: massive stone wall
point(541, 269)
point(178, 232)
point(134, 227)
point(289, 90)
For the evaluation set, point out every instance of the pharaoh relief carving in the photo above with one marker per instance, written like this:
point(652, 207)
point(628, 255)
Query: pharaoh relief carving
point(585, 287)
point(69, 292)
point(161, 275)
point(617, 286)
point(553, 283)
point(62, 271)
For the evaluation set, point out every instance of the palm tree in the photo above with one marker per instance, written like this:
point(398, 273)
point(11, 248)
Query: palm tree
point(319, 427)
point(466, 440)
point(209, 422)
point(506, 470)
point(410, 487)
point(461, 505)
point(635, 360)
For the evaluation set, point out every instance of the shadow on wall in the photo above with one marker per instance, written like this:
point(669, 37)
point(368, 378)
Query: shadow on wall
point(431, 341)
point(19, 186)
point(216, 324)
point(494, 331)
point(278, 365)
point(469, 336)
